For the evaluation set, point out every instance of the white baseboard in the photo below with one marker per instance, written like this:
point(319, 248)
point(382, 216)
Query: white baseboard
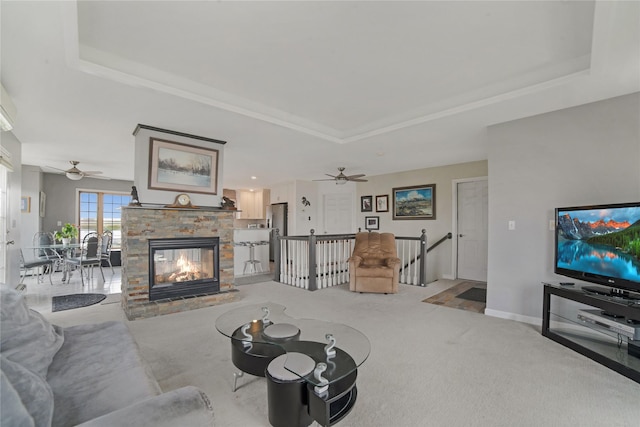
point(537, 321)
point(449, 276)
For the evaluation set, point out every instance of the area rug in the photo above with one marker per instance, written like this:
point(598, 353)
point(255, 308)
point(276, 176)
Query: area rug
point(467, 295)
point(67, 302)
point(474, 294)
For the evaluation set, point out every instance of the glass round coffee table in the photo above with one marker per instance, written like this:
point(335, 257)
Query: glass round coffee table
point(262, 333)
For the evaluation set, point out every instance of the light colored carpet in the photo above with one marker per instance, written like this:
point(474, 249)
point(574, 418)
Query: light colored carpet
point(429, 365)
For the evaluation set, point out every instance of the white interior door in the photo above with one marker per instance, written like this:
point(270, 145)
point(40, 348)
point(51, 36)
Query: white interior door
point(338, 213)
point(4, 226)
point(473, 207)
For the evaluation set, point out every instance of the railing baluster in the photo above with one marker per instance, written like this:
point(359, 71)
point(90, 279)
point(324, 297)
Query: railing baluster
point(316, 262)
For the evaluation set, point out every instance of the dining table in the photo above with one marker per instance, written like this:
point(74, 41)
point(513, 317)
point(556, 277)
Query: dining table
point(61, 251)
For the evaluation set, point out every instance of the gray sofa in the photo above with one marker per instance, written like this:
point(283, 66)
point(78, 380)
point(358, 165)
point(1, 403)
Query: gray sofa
point(89, 375)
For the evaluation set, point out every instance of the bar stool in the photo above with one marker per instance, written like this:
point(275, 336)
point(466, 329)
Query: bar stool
point(252, 263)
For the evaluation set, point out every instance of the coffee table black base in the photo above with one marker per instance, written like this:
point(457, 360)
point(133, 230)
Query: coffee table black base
point(255, 359)
point(288, 402)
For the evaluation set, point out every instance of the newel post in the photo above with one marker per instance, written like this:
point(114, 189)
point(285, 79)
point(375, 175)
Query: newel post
point(312, 261)
point(276, 255)
point(423, 258)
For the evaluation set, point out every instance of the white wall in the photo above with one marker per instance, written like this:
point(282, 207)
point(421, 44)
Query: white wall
point(62, 196)
point(305, 218)
point(166, 197)
point(30, 221)
point(14, 220)
point(439, 262)
point(578, 156)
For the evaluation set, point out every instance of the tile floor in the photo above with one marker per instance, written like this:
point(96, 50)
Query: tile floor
point(39, 295)
point(448, 298)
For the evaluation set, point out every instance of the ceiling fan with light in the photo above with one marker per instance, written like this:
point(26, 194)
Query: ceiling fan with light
point(341, 178)
point(76, 174)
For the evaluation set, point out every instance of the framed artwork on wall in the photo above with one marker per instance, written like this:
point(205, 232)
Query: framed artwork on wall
point(372, 222)
point(415, 202)
point(25, 204)
point(43, 203)
point(175, 166)
point(366, 204)
point(382, 203)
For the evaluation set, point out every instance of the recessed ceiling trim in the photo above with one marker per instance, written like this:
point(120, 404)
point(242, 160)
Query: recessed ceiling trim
point(105, 65)
point(470, 106)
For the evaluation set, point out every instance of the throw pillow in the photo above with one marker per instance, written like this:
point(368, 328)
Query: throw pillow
point(25, 335)
point(34, 392)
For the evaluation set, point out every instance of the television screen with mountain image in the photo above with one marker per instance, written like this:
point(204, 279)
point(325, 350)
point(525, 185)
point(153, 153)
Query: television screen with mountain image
point(600, 244)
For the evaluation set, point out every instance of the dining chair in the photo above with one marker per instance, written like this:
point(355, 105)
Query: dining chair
point(89, 257)
point(105, 251)
point(36, 265)
point(41, 240)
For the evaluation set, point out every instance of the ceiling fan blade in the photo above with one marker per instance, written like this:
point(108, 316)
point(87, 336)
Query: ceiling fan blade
point(324, 180)
point(360, 175)
point(359, 180)
point(332, 176)
point(91, 172)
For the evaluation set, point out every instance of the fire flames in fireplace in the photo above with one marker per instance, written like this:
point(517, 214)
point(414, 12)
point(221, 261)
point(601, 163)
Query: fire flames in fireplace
point(183, 267)
point(183, 270)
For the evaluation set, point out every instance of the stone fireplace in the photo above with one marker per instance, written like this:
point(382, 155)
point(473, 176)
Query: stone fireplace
point(175, 259)
point(183, 267)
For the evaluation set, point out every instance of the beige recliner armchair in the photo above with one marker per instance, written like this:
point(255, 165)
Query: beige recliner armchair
point(374, 265)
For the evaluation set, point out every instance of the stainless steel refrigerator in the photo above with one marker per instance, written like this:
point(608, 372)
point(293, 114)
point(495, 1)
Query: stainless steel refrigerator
point(277, 215)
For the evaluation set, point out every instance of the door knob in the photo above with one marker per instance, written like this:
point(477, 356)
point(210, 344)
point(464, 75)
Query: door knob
point(460, 235)
point(11, 242)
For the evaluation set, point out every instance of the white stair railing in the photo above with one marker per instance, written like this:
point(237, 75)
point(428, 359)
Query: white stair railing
point(317, 262)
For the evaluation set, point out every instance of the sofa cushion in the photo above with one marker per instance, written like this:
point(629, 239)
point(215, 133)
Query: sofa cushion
point(98, 370)
point(25, 336)
point(379, 271)
point(34, 394)
point(12, 411)
point(187, 406)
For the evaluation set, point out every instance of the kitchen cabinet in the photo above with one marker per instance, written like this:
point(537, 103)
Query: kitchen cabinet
point(252, 204)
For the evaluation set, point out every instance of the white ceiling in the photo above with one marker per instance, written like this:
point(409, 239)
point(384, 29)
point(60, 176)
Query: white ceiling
point(300, 88)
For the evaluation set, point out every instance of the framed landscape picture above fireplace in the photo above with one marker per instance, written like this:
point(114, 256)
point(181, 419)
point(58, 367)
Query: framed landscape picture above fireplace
point(182, 167)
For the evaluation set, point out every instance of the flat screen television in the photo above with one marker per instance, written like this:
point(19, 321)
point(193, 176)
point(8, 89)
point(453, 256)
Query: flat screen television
point(600, 244)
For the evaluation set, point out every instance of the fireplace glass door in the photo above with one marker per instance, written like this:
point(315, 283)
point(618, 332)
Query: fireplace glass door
point(183, 267)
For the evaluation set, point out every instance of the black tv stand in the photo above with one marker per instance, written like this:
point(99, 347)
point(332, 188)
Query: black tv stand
point(610, 346)
point(611, 292)
point(600, 290)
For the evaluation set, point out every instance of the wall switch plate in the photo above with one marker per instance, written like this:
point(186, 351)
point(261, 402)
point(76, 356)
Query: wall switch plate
point(552, 225)
point(59, 223)
point(512, 225)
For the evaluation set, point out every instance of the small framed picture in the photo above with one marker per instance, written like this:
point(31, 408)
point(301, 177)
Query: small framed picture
point(366, 204)
point(43, 204)
point(382, 203)
point(25, 204)
point(372, 222)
